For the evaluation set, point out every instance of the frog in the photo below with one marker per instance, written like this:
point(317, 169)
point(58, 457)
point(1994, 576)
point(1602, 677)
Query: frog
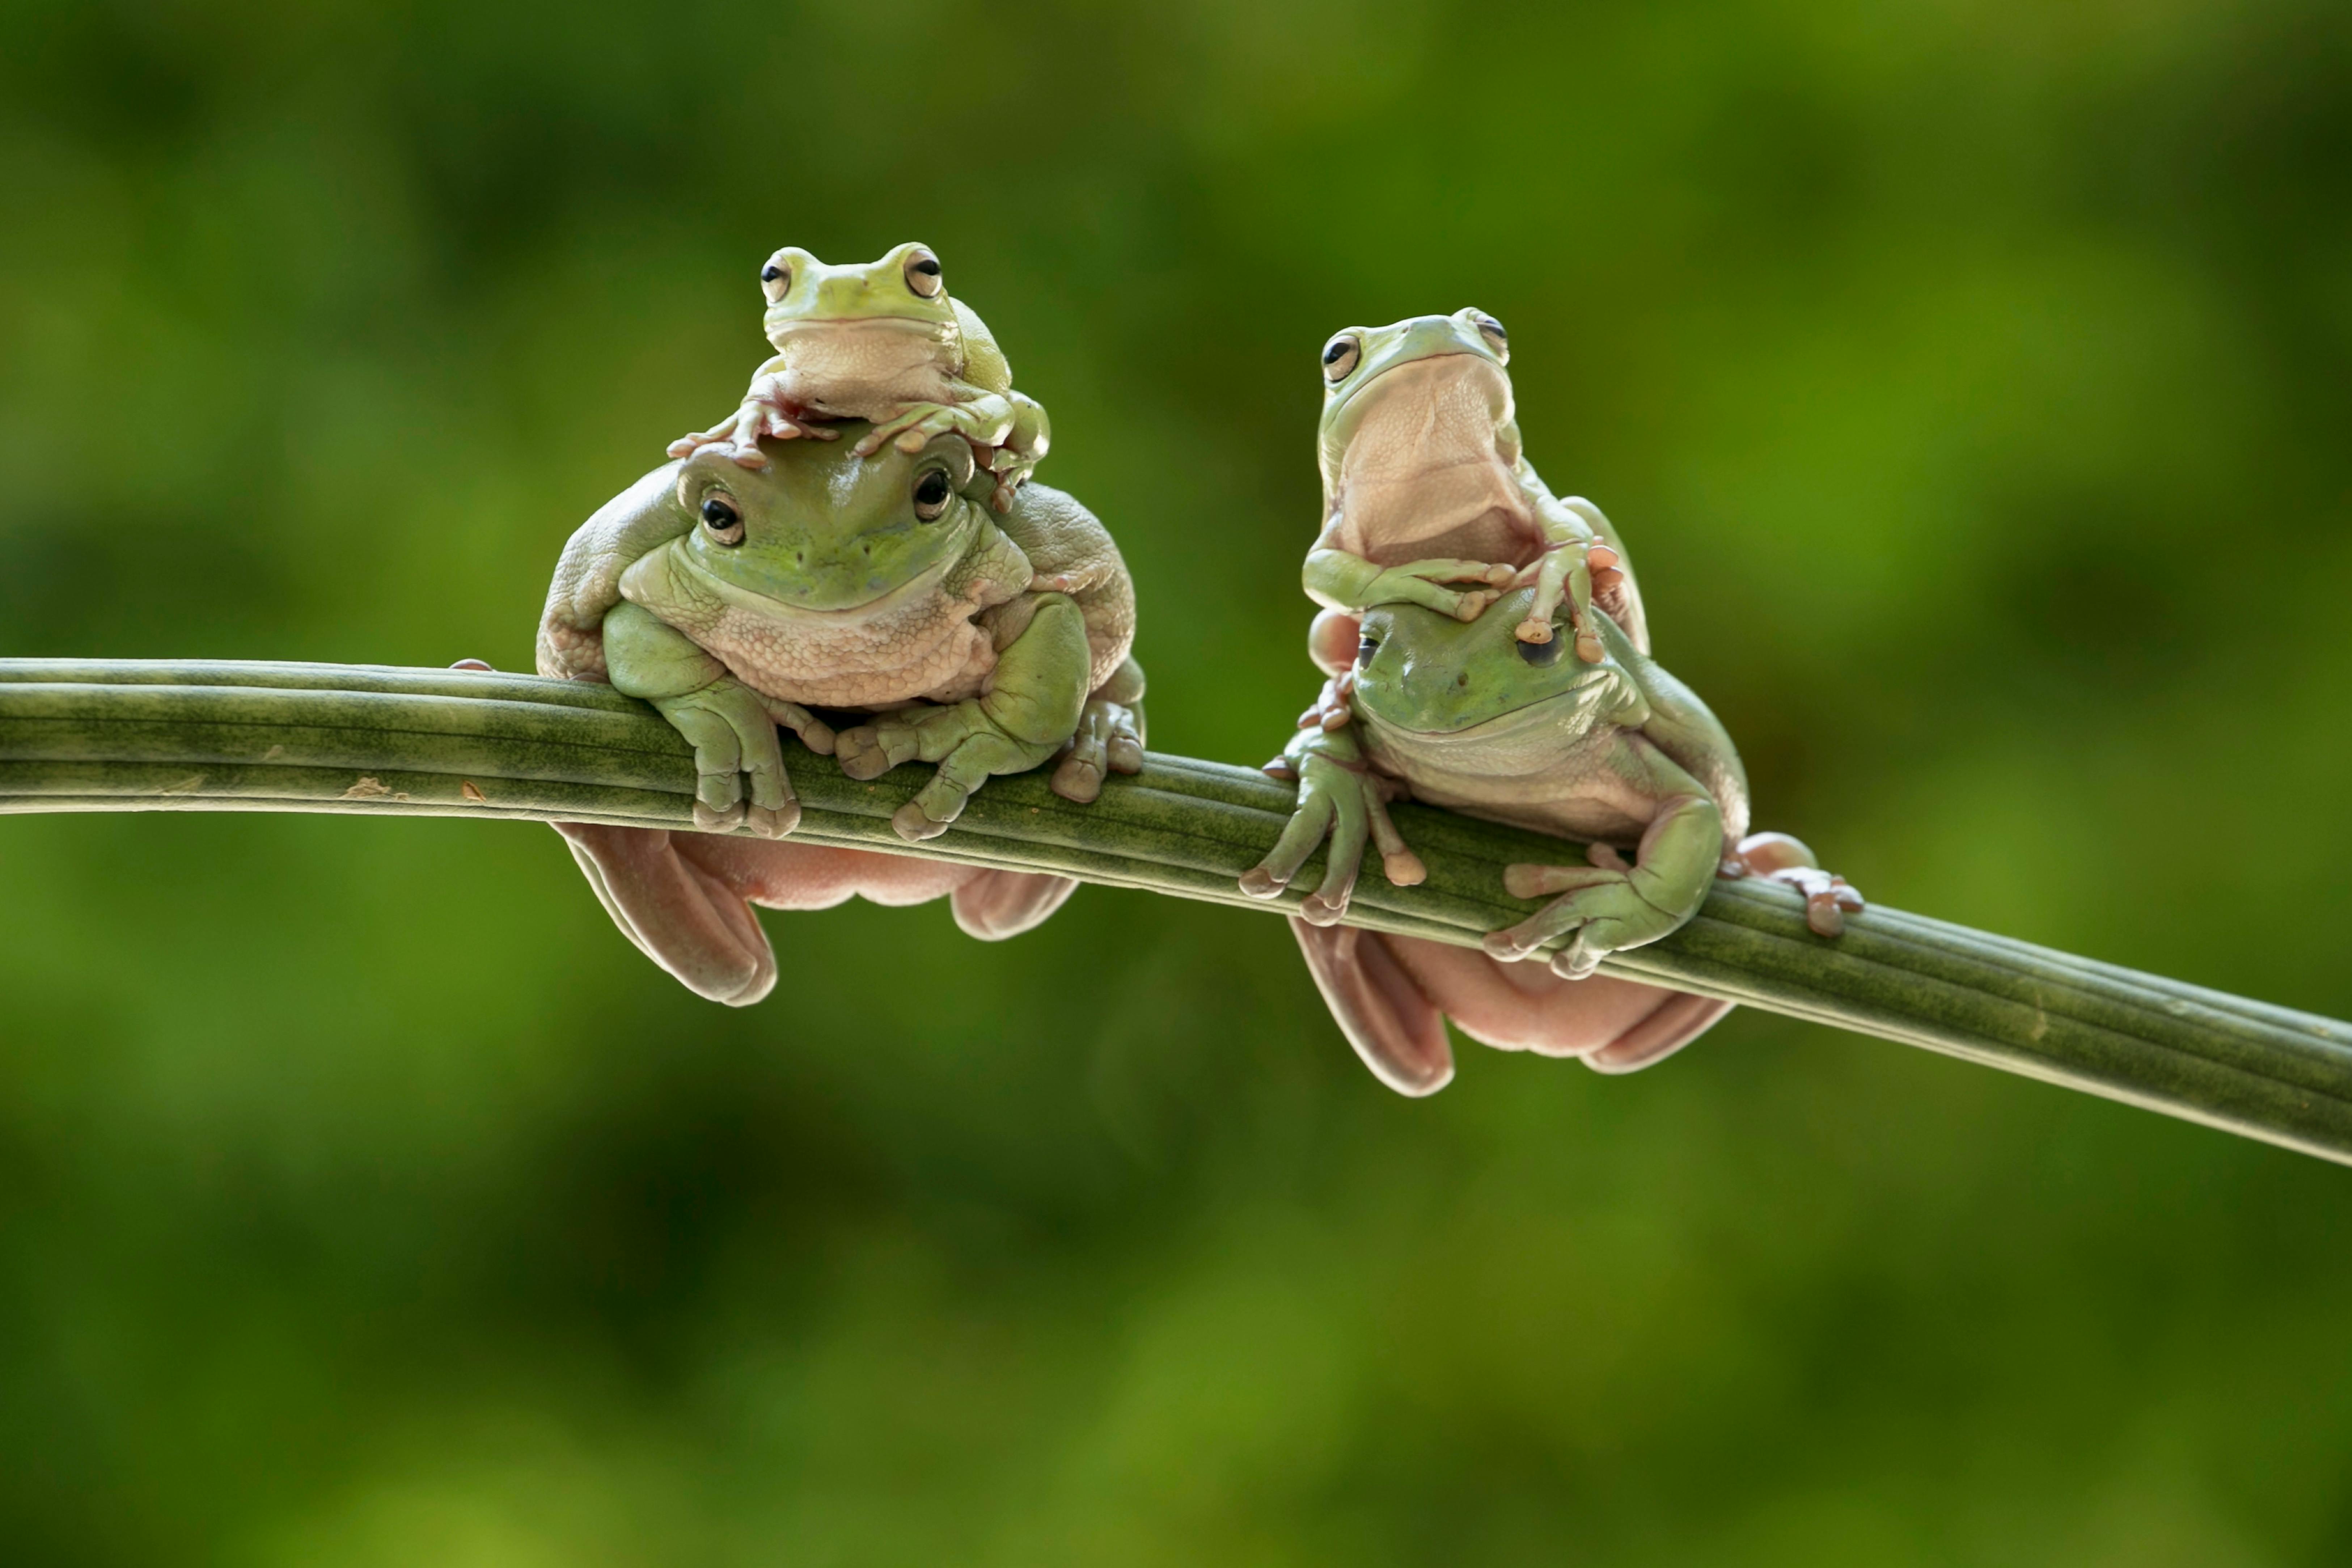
point(880, 589)
point(1615, 752)
point(1429, 498)
point(885, 343)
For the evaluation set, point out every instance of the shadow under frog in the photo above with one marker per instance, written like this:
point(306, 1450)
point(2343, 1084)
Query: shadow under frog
point(875, 587)
point(1617, 753)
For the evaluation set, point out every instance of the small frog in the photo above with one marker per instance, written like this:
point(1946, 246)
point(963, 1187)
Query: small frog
point(1616, 751)
point(736, 600)
point(885, 343)
point(1425, 485)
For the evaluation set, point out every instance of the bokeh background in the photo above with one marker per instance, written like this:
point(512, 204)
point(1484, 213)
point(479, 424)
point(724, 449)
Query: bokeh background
point(1972, 380)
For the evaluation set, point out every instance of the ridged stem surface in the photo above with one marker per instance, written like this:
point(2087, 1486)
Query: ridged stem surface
point(135, 735)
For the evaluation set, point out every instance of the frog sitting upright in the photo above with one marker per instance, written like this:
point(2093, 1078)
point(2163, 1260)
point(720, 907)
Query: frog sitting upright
point(736, 600)
point(1615, 752)
point(885, 343)
point(1429, 500)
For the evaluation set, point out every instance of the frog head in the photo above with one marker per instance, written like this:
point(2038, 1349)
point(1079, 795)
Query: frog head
point(820, 529)
point(1424, 393)
point(1428, 674)
point(901, 293)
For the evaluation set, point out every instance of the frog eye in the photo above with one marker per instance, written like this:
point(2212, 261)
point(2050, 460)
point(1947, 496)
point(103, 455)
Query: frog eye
point(1540, 654)
point(1492, 331)
point(1340, 356)
point(931, 493)
point(725, 523)
point(923, 273)
point(1365, 650)
point(776, 278)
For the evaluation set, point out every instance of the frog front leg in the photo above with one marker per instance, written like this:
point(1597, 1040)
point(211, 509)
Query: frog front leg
point(1007, 432)
point(1339, 581)
point(1338, 798)
point(731, 727)
point(1110, 737)
point(1575, 565)
point(1610, 905)
point(763, 412)
point(1031, 712)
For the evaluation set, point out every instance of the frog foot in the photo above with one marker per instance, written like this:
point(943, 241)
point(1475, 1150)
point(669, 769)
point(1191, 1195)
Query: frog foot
point(1778, 857)
point(739, 766)
point(1349, 807)
point(1572, 575)
point(1109, 740)
point(1599, 905)
point(913, 426)
point(1423, 583)
point(968, 746)
point(740, 432)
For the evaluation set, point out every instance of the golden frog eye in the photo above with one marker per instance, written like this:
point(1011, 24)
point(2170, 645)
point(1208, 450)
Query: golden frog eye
point(776, 278)
point(923, 273)
point(1340, 356)
point(1497, 338)
point(931, 493)
point(725, 523)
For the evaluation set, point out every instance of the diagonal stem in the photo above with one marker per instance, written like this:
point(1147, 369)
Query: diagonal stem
point(129, 735)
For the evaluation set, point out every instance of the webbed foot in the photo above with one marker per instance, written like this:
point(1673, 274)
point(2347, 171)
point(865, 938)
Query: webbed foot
point(740, 778)
point(1601, 906)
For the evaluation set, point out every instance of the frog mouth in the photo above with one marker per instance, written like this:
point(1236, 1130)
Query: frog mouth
point(912, 324)
point(1535, 713)
point(736, 595)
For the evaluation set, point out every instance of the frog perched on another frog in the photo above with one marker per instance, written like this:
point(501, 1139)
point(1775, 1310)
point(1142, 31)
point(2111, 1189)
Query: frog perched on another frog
point(736, 600)
point(1425, 485)
point(885, 343)
point(1615, 752)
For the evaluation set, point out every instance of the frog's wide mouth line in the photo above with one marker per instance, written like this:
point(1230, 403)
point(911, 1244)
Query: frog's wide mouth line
point(1530, 714)
point(736, 597)
point(923, 324)
point(1384, 372)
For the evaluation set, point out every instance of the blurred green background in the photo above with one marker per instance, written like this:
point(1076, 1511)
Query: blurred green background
point(1971, 380)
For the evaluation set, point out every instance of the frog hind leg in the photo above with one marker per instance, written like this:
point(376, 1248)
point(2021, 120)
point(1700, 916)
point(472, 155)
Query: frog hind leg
point(685, 898)
point(1612, 1025)
point(994, 905)
point(1386, 1017)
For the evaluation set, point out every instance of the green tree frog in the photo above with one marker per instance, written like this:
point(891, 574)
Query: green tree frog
point(885, 343)
point(1429, 500)
point(1615, 752)
point(737, 599)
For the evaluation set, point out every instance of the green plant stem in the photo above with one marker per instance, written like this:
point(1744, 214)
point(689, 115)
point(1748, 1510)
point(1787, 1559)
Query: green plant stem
point(125, 735)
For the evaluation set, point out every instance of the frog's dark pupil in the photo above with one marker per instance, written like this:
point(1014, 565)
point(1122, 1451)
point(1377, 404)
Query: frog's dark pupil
point(932, 488)
point(1542, 653)
point(720, 515)
point(1332, 355)
point(928, 268)
point(1365, 649)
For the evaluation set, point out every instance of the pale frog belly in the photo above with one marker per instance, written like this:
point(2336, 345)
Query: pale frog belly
point(929, 650)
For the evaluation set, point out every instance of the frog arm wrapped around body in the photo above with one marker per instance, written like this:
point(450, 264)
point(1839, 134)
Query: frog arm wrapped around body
point(735, 600)
point(1428, 497)
point(1621, 755)
point(887, 344)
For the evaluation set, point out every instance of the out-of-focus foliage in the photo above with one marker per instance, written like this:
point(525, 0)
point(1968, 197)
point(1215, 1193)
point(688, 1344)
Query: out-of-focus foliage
point(1972, 381)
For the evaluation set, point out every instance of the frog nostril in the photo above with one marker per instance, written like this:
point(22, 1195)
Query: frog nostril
point(1462, 679)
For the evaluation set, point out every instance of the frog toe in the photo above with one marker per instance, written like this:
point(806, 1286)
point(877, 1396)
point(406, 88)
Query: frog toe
point(914, 824)
point(772, 821)
point(861, 753)
point(709, 819)
point(1080, 776)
